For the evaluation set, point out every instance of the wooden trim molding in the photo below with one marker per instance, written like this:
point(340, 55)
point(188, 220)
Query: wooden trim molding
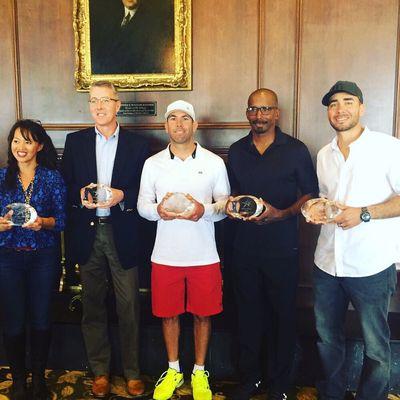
point(221, 151)
point(396, 103)
point(261, 43)
point(16, 61)
point(297, 69)
point(149, 127)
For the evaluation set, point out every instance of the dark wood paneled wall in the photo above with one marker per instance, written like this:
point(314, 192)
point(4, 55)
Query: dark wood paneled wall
point(349, 40)
point(8, 104)
point(299, 48)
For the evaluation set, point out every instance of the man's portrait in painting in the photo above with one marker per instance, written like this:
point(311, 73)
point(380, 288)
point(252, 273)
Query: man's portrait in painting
point(132, 36)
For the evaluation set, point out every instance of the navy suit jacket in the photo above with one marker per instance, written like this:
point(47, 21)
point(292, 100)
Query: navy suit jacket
point(79, 169)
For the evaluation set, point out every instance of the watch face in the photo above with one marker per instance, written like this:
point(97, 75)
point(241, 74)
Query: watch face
point(365, 216)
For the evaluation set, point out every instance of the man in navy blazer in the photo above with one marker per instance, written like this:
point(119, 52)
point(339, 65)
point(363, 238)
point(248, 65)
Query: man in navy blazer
point(104, 240)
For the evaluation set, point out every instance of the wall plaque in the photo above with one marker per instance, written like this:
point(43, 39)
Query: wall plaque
point(133, 108)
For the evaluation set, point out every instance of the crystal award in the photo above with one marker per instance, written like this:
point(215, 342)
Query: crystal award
point(98, 194)
point(178, 203)
point(320, 210)
point(246, 206)
point(21, 214)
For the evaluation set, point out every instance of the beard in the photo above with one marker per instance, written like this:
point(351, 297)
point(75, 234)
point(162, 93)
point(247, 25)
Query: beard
point(260, 126)
point(344, 127)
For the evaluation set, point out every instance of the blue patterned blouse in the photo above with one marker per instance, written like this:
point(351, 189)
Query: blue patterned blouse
point(48, 199)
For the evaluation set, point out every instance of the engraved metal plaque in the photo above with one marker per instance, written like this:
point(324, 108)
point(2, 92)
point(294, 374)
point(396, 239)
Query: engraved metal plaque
point(133, 108)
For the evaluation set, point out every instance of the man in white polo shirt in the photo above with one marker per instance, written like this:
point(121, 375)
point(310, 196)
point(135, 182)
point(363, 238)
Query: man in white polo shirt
point(186, 273)
point(355, 255)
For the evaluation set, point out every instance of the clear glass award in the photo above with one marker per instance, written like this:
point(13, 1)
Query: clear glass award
point(178, 203)
point(320, 210)
point(246, 206)
point(98, 194)
point(20, 214)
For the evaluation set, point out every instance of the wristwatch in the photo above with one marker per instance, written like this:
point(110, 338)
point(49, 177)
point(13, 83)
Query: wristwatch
point(365, 216)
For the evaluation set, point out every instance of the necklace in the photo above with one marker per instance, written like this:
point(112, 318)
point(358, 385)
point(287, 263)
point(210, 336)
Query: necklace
point(29, 190)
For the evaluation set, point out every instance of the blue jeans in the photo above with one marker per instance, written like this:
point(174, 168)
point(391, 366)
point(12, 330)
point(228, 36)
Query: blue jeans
point(370, 297)
point(26, 284)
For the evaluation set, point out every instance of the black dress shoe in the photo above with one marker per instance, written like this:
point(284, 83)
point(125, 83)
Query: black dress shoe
point(246, 390)
point(18, 391)
point(40, 390)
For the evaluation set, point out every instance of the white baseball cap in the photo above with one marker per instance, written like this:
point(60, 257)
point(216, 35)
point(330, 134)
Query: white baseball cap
point(181, 105)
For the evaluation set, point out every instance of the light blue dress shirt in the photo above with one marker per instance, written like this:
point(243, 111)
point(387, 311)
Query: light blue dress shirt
point(106, 149)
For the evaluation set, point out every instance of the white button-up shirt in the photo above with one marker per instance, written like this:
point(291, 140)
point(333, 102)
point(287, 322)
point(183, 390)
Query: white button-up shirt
point(181, 242)
point(370, 175)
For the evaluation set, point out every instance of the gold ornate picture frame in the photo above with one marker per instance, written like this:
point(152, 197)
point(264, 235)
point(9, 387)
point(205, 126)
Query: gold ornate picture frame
point(142, 57)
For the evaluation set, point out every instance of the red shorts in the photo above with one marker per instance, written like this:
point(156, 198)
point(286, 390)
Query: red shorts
point(197, 290)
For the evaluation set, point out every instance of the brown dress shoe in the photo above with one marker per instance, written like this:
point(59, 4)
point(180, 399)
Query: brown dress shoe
point(101, 386)
point(135, 387)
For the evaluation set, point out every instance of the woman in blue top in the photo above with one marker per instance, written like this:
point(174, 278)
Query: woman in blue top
point(29, 253)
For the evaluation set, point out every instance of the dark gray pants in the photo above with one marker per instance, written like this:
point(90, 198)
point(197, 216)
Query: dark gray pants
point(265, 293)
point(94, 276)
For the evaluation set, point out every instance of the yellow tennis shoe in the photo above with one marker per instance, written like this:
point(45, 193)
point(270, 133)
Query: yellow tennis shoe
point(166, 385)
point(200, 387)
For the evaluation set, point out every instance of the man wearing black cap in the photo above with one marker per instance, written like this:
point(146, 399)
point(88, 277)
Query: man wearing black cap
point(355, 255)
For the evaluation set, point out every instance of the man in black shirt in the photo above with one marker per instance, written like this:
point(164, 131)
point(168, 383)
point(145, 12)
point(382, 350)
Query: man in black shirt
point(272, 165)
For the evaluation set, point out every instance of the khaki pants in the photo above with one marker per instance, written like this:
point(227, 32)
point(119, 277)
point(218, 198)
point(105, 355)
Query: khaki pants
point(95, 285)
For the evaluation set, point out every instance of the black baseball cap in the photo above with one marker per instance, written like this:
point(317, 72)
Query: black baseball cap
point(343, 86)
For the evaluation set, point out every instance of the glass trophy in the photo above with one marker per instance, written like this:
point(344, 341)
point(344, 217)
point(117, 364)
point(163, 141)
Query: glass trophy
point(178, 203)
point(21, 214)
point(246, 206)
point(98, 194)
point(320, 210)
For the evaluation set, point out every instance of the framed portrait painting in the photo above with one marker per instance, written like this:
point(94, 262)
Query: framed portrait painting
point(135, 44)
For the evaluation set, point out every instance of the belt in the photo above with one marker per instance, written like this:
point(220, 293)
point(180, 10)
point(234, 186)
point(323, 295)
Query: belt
point(103, 220)
point(21, 248)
